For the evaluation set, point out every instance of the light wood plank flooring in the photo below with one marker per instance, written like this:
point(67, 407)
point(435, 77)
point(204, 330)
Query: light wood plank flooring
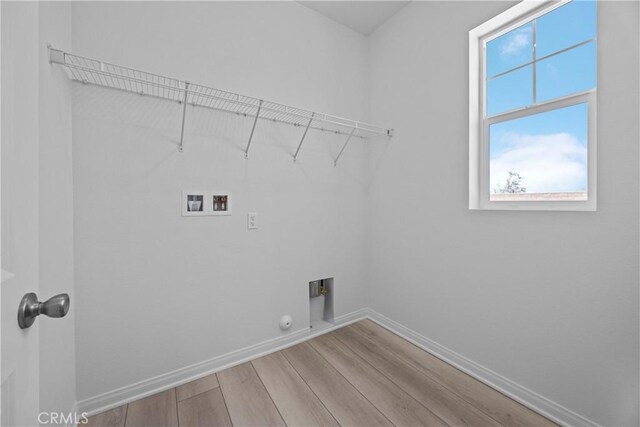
point(358, 375)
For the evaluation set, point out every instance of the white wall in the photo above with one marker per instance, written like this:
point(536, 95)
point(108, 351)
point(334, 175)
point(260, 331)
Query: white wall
point(547, 299)
point(57, 336)
point(156, 291)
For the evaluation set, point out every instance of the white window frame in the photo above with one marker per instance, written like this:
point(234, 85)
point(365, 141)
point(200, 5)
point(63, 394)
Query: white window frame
point(479, 190)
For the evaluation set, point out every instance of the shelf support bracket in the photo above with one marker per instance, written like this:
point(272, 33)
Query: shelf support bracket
point(335, 162)
point(295, 156)
point(184, 114)
point(56, 56)
point(253, 128)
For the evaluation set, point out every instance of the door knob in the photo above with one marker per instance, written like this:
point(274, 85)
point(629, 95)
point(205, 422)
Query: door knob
point(30, 308)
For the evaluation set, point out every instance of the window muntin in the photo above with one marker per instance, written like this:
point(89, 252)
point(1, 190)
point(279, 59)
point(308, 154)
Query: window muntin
point(554, 102)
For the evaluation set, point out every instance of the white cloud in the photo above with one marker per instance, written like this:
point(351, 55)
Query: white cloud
point(547, 163)
point(517, 42)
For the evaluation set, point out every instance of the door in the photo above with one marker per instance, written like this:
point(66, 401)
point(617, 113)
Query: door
point(19, 352)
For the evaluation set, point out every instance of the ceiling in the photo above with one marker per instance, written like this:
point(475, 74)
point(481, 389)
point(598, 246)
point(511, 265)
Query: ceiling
point(361, 16)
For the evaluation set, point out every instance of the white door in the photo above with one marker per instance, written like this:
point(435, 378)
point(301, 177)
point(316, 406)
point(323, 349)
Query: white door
point(19, 210)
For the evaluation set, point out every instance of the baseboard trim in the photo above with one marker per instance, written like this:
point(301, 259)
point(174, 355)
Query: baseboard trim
point(75, 415)
point(139, 390)
point(112, 399)
point(517, 392)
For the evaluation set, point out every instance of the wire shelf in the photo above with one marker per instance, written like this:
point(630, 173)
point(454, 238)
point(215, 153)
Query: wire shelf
point(91, 71)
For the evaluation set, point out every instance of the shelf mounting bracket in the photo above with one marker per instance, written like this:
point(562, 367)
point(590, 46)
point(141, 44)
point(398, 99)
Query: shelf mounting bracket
point(253, 128)
point(184, 113)
point(335, 162)
point(295, 156)
point(56, 56)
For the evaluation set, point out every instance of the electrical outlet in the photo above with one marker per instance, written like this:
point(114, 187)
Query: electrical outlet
point(252, 220)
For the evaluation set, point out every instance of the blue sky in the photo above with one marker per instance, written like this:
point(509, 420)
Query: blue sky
point(548, 149)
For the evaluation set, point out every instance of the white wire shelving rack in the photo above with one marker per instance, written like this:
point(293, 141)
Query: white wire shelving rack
point(99, 73)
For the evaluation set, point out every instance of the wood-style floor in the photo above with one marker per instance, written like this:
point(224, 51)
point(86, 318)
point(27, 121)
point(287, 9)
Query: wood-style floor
point(358, 375)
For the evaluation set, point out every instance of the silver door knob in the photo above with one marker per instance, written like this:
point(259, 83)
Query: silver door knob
point(30, 308)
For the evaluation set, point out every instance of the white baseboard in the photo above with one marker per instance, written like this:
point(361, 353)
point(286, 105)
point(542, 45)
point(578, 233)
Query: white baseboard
point(111, 399)
point(139, 390)
point(517, 392)
point(77, 417)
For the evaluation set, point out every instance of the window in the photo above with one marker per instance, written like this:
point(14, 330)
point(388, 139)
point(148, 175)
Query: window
point(532, 108)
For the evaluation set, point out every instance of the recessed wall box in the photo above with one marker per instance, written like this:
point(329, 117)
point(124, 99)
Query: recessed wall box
point(321, 303)
point(220, 203)
point(206, 203)
point(195, 203)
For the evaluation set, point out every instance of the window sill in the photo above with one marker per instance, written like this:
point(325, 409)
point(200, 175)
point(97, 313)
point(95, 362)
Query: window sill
point(555, 205)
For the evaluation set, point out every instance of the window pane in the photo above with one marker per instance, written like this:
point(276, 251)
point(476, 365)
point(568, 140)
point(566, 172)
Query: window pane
point(540, 157)
point(510, 91)
point(509, 50)
point(565, 26)
point(569, 72)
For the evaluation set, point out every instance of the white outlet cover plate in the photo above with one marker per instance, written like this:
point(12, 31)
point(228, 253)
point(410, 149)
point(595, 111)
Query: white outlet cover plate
point(207, 197)
point(252, 220)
